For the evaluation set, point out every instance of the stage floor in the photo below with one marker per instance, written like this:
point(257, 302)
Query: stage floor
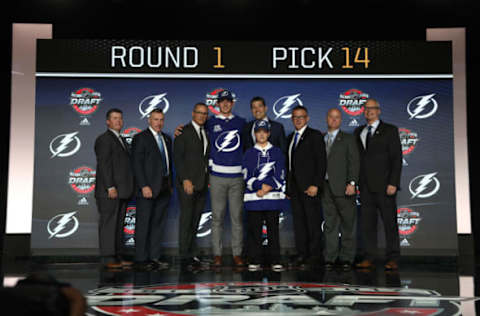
point(416, 289)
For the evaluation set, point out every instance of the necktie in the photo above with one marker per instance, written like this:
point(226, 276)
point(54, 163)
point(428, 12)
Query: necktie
point(295, 140)
point(369, 136)
point(120, 138)
point(329, 143)
point(201, 139)
point(162, 154)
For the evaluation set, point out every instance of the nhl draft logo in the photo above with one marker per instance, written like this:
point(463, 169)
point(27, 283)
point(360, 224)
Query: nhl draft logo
point(129, 226)
point(408, 220)
point(85, 101)
point(228, 141)
point(153, 102)
point(424, 185)
point(408, 139)
point(352, 101)
point(62, 225)
point(65, 145)
point(82, 180)
point(269, 298)
point(422, 107)
point(282, 108)
point(211, 100)
point(205, 224)
point(128, 134)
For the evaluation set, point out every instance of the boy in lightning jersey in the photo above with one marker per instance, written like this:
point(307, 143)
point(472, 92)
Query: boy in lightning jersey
point(264, 173)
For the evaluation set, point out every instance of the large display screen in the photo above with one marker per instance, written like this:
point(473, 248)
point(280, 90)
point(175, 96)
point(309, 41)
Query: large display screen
point(78, 81)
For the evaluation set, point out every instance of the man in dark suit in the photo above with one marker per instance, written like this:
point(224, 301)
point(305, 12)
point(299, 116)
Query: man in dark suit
point(339, 191)
point(113, 189)
point(380, 169)
point(277, 133)
point(190, 152)
point(306, 165)
point(152, 167)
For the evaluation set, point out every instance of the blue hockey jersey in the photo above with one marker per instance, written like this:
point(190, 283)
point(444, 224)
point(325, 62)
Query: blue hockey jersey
point(226, 145)
point(264, 166)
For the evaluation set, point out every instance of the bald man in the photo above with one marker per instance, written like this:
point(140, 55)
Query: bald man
point(339, 191)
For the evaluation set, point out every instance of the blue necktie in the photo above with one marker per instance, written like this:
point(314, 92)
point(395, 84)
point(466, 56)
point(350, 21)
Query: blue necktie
point(162, 153)
point(369, 136)
point(295, 140)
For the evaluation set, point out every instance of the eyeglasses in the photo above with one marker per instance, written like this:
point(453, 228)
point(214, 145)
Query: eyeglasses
point(371, 108)
point(299, 117)
point(202, 113)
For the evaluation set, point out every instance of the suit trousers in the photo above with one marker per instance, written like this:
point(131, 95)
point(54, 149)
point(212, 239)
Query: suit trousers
point(224, 189)
point(307, 222)
point(149, 228)
point(340, 217)
point(255, 232)
point(110, 226)
point(191, 208)
point(374, 203)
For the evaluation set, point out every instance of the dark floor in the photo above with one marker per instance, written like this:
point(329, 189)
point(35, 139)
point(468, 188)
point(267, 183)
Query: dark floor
point(416, 289)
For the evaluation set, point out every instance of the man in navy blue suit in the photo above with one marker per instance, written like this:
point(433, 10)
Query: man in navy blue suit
point(277, 133)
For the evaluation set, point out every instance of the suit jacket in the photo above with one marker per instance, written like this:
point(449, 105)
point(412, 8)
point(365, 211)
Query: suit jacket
point(343, 163)
point(114, 167)
point(148, 164)
point(309, 161)
point(277, 136)
point(190, 161)
point(381, 164)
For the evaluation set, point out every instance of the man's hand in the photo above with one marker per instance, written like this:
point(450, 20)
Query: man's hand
point(188, 186)
point(266, 188)
point(311, 191)
point(178, 130)
point(350, 189)
point(147, 192)
point(391, 189)
point(112, 193)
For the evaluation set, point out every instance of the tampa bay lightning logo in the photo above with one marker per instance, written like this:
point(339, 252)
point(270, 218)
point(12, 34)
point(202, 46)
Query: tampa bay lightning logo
point(265, 169)
point(228, 141)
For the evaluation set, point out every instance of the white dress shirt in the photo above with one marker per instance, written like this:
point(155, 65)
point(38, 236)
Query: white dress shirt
point(202, 135)
point(363, 134)
point(164, 146)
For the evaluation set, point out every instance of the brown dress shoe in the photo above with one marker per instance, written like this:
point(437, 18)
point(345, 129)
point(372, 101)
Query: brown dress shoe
point(238, 261)
point(217, 261)
point(391, 265)
point(365, 264)
point(113, 265)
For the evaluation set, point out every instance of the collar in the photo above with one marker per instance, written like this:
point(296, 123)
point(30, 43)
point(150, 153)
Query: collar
point(153, 131)
point(263, 148)
point(302, 130)
point(223, 117)
point(196, 126)
point(334, 133)
point(114, 132)
point(374, 124)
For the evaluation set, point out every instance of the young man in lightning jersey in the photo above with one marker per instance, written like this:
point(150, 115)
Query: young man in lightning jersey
point(264, 173)
point(226, 181)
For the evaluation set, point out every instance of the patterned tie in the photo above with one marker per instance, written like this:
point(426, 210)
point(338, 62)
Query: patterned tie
point(369, 136)
point(162, 154)
point(329, 143)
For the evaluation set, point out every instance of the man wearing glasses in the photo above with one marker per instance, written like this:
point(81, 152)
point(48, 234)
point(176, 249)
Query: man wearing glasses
point(306, 167)
point(380, 169)
point(190, 154)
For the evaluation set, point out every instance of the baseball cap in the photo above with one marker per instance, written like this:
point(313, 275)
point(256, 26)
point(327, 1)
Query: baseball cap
point(225, 94)
point(261, 124)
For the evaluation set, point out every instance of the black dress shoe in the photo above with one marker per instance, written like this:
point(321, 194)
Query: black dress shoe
point(346, 266)
point(144, 265)
point(158, 264)
point(299, 261)
point(329, 265)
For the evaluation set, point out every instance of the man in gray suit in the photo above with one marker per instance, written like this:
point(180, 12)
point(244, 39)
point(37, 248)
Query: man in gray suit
point(338, 196)
point(190, 154)
point(113, 189)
